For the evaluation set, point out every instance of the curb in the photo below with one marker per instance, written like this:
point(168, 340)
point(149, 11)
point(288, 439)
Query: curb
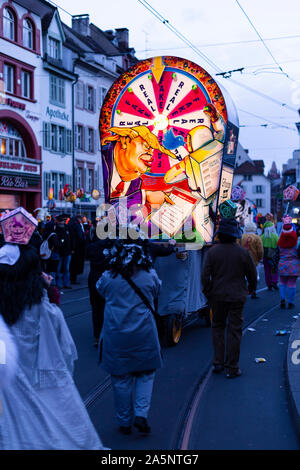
point(293, 373)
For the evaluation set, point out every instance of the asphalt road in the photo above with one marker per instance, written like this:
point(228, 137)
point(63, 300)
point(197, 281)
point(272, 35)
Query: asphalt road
point(250, 412)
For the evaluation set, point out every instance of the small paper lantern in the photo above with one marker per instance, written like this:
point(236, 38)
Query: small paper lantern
point(67, 190)
point(287, 219)
point(50, 194)
point(237, 193)
point(290, 193)
point(95, 194)
point(80, 193)
point(51, 204)
point(18, 226)
point(73, 197)
point(228, 209)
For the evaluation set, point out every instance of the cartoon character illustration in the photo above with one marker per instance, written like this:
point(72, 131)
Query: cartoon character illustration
point(163, 147)
point(130, 157)
point(18, 226)
point(202, 168)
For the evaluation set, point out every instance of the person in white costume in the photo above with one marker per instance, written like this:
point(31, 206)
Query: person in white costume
point(41, 407)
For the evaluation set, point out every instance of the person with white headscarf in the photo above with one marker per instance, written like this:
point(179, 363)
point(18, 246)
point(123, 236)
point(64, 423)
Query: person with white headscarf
point(42, 408)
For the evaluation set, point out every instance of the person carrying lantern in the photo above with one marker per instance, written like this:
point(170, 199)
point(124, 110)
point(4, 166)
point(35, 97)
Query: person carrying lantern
point(288, 263)
point(42, 408)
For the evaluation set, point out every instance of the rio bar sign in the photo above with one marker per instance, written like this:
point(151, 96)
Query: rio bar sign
point(13, 182)
point(55, 113)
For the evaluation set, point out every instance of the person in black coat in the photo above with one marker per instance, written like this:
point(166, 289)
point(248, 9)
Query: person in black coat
point(94, 253)
point(50, 265)
point(78, 248)
point(64, 250)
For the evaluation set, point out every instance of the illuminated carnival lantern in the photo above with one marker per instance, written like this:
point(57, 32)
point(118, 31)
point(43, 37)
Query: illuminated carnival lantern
point(169, 137)
point(18, 226)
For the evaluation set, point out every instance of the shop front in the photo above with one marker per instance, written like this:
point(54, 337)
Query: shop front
point(20, 164)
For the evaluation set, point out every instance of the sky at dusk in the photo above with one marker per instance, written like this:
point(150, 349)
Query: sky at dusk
point(221, 31)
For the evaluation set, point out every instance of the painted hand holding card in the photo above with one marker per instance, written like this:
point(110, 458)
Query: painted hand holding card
point(171, 217)
point(163, 128)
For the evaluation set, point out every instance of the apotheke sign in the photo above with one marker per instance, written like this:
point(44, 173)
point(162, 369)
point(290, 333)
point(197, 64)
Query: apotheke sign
point(56, 113)
point(29, 168)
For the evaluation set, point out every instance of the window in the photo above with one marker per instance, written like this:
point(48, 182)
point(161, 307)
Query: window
point(90, 180)
point(57, 138)
point(53, 180)
point(260, 203)
point(90, 140)
point(9, 78)
point(61, 181)
point(57, 90)
point(258, 189)
point(102, 93)
point(90, 98)
point(26, 82)
point(79, 136)
point(8, 24)
point(11, 143)
point(79, 178)
point(248, 177)
point(79, 95)
point(54, 48)
point(28, 34)
point(61, 139)
point(47, 184)
point(54, 137)
point(69, 141)
point(54, 185)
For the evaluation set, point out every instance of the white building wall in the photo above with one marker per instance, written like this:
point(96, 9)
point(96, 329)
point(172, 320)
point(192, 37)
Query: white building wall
point(90, 119)
point(57, 164)
point(241, 156)
point(258, 183)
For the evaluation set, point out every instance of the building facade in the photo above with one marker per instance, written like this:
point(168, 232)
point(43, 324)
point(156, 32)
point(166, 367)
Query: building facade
point(257, 186)
point(56, 81)
point(53, 80)
point(20, 119)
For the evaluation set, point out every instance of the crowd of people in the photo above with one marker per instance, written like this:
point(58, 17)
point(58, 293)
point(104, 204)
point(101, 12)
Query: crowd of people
point(42, 408)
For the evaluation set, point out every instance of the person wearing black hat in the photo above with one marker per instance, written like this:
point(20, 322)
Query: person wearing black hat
point(225, 287)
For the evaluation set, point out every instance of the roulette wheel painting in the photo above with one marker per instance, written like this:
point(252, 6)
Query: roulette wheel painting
point(164, 139)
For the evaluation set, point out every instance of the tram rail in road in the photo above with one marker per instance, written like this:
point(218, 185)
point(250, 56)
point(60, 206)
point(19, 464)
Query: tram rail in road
point(186, 422)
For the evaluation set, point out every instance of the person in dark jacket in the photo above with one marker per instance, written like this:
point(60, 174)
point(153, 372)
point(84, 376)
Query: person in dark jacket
point(98, 264)
point(78, 252)
point(225, 287)
point(51, 264)
point(64, 250)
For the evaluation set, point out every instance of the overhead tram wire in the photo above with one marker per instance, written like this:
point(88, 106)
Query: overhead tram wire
point(263, 42)
point(268, 120)
point(229, 43)
point(212, 64)
point(196, 50)
point(61, 8)
point(179, 35)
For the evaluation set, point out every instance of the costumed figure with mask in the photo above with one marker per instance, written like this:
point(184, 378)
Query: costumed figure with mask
point(42, 408)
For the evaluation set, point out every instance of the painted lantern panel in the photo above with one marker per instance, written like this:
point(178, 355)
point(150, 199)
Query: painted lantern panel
point(167, 147)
